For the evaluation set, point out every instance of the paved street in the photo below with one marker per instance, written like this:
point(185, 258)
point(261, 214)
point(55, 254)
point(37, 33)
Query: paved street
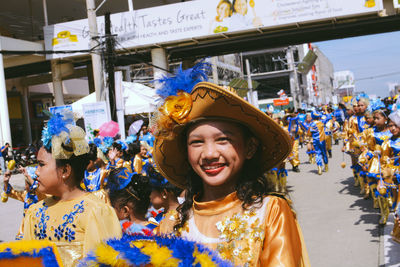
point(340, 228)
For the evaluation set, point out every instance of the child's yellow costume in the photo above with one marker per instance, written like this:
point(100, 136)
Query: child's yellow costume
point(77, 225)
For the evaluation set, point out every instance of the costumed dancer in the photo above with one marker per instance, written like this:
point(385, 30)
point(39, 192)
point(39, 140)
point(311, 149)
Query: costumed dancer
point(318, 135)
point(272, 174)
point(295, 132)
point(328, 133)
point(335, 130)
point(356, 125)
point(164, 196)
point(362, 146)
point(308, 139)
point(390, 155)
point(301, 119)
point(130, 197)
point(95, 179)
point(146, 136)
point(228, 151)
point(29, 196)
point(117, 156)
point(76, 221)
point(282, 173)
point(143, 160)
point(374, 138)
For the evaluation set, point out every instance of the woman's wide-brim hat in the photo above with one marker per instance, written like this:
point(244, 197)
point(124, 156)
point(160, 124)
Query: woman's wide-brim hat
point(210, 101)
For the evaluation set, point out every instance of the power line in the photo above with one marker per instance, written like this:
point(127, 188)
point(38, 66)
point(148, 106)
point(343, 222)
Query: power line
point(378, 76)
point(141, 61)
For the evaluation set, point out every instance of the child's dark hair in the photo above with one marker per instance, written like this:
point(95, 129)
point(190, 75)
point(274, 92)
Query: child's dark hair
point(78, 165)
point(159, 183)
point(118, 146)
point(92, 152)
point(133, 149)
point(137, 193)
point(250, 188)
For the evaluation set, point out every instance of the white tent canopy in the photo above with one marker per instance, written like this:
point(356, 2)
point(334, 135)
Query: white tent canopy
point(138, 98)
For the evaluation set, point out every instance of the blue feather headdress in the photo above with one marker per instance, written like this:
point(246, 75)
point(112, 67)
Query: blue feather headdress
point(106, 144)
point(54, 127)
point(361, 96)
point(183, 80)
point(377, 104)
point(130, 139)
point(122, 143)
point(63, 137)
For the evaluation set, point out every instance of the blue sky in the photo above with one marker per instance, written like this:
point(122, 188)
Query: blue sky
point(367, 56)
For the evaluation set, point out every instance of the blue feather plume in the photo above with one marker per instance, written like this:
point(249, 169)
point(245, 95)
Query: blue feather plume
point(377, 104)
point(130, 139)
point(182, 249)
point(184, 80)
point(123, 145)
point(97, 141)
point(55, 126)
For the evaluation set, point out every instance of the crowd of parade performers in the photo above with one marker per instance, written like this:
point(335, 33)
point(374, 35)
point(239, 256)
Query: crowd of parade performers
point(370, 131)
point(315, 129)
point(120, 173)
point(81, 193)
point(371, 135)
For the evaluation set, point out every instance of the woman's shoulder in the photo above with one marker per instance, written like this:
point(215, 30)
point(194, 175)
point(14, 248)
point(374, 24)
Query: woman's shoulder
point(94, 201)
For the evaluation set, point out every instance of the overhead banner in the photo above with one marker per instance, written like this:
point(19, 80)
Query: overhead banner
point(396, 3)
point(199, 19)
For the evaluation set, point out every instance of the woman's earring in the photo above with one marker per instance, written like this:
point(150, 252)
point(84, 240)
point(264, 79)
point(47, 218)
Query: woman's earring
point(164, 197)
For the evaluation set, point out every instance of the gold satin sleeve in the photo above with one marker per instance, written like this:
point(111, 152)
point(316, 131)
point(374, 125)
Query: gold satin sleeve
point(18, 195)
point(283, 244)
point(387, 153)
point(124, 164)
point(102, 224)
point(137, 164)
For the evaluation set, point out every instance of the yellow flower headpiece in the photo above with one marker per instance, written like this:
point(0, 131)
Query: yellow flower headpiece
point(178, 102)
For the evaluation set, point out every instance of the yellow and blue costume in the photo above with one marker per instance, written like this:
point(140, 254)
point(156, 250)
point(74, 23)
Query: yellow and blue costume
point(318, 134)
point(75, 226)
point(95, 182)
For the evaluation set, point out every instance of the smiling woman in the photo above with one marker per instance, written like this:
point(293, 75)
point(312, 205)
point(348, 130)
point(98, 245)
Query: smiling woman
point(218, 151)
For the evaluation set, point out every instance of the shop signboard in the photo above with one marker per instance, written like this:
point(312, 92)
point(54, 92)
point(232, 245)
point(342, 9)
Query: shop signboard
point(281, 102)
point(201, 19)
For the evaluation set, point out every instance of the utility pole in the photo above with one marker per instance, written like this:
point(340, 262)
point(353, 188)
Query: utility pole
point(109, 61)
point(96, 58)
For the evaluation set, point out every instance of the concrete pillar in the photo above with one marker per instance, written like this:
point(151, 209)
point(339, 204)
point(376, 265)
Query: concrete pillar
point(293, 79)
point(25, 111)
point(214, 62)
point(57, 83)
point(159, 59)
point(5, 134)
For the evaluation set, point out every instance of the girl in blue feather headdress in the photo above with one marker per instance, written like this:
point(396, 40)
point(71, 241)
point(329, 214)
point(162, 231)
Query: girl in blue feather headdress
point(29, 196)
point(95, 179)
point(131, 202)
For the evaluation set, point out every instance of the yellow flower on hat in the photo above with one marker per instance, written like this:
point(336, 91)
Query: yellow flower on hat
point(178, 107)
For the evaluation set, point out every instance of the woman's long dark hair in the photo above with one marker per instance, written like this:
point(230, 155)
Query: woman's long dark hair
point(250, 188)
